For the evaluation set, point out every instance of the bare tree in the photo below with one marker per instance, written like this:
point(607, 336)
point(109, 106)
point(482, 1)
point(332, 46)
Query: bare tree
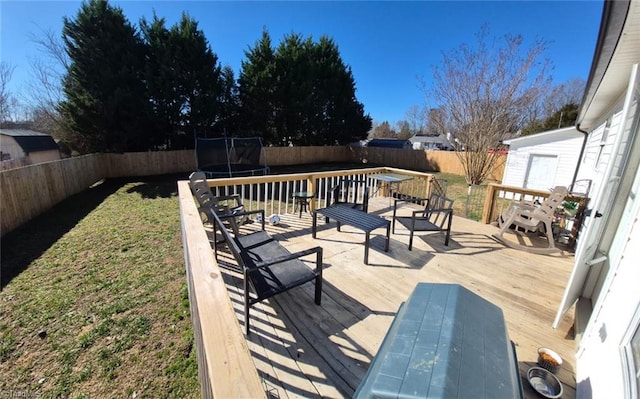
point(383, 131)
point(484, 95)
point(416, 118)
point(6, 99)
point(44, 91)
point(569, 92)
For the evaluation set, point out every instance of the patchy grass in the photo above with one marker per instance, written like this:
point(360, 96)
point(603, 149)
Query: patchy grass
point(457, 189)
point(94, 300)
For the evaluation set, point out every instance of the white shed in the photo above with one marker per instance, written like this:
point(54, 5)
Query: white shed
point(36, 147)
point(543, 160)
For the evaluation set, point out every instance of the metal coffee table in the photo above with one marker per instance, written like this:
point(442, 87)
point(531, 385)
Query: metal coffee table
point(344, 214)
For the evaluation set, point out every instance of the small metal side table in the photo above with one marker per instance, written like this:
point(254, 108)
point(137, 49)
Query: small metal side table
point(391, 182)
point(301, 201)
point(445, 342)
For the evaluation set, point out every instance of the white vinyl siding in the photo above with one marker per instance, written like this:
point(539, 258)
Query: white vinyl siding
point(9, 146)
point(565, 147)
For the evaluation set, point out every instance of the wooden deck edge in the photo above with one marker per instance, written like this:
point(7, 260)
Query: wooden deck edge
point(225, 366)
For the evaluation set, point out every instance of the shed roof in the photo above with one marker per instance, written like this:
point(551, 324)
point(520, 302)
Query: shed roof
point(31, 141)
point(545, 137)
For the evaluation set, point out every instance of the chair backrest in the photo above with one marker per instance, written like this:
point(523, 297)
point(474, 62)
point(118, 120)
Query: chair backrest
point(547, 209)
point(438, 209)
point(208, 203)
point(347, 191)
point(439, 186)
point(201, 190)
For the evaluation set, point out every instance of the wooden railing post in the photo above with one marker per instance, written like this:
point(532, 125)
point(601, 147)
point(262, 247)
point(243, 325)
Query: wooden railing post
point(489, 203)
point(311, 187)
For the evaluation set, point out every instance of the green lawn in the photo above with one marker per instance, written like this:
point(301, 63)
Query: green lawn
point(94, 300)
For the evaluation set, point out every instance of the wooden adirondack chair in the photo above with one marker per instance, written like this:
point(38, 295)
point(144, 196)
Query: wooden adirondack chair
point(531, 219)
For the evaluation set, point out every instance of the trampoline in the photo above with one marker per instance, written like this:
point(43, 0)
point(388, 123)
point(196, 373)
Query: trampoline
point(230, 157)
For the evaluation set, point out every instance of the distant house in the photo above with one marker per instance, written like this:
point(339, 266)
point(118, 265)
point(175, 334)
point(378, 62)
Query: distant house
point(431, 143)
point(36, 147)
point(390, 143)
point(544, 160)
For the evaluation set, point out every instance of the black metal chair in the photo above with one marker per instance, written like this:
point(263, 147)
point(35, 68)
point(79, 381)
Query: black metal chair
point(436, 216)
point(222, 205)
point(347, 192)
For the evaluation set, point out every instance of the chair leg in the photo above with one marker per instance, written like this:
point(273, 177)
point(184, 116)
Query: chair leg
point(246, 304)
point(410, 240)
point(446, 240)
point(547, 226)
point(318, 297)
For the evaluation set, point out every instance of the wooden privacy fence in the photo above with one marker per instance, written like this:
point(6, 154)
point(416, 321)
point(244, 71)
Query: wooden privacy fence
point(29, 191)
point(420, 160)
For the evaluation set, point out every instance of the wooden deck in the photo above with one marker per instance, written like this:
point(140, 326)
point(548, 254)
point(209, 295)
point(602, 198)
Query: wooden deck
point(304, 350)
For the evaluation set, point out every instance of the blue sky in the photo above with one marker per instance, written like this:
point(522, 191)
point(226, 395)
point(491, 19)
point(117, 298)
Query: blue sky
point(388, 44)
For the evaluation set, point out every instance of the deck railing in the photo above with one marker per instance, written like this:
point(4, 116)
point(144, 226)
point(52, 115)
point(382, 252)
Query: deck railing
point(225, 365)
point(498, 197)
point(274, 193)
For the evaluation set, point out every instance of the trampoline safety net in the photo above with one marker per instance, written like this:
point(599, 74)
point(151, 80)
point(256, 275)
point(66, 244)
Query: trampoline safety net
point(229, 157)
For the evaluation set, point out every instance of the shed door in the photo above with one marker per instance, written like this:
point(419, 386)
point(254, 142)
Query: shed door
point(541, 172)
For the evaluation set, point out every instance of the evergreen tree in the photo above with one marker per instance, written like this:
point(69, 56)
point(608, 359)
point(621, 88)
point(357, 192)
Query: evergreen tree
point(228, 122)
point(564, 117)
point(301, 94)
point(341, 117)
point(105, 101)
point(183, 80)
point(256, 90)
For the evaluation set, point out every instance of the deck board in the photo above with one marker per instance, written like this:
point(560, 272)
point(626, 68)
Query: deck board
point(304, 350)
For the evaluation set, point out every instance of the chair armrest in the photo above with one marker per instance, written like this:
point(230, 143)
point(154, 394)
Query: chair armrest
point(227, 197)
point(285, 258)
point(235, 214)
point(430, 211)
point(448, 210)
point(409, 200)
point(241, 213)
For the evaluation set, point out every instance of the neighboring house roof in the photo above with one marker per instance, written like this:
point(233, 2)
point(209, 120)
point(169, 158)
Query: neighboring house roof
point(430, 139)
point(618, 47)
point(31, 141)
point(389, 143)
point(545, 137)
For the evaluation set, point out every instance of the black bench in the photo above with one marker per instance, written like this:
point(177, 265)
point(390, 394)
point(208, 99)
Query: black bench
point(268, 267)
